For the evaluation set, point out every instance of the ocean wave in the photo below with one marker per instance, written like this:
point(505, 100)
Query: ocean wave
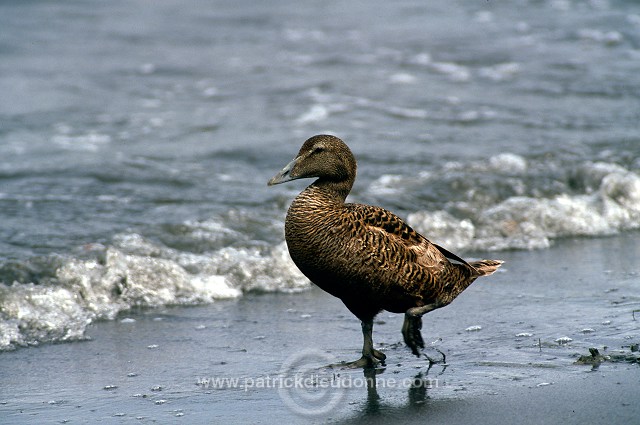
point(609, 203)
point(444, 228)
point(81, 291)
point(505, 202)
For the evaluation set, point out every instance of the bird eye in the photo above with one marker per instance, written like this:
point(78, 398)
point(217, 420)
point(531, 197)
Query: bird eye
point(318, 149)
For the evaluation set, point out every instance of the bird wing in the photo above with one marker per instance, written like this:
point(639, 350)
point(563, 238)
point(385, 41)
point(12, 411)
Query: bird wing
point(379, 227)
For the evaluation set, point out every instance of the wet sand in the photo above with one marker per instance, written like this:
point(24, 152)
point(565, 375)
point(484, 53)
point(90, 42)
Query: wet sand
point(511, 343)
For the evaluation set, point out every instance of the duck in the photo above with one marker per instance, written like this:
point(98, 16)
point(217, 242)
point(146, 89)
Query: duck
point(365, 255)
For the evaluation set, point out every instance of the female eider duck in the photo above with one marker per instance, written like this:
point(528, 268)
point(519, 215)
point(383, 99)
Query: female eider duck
point(365, 255)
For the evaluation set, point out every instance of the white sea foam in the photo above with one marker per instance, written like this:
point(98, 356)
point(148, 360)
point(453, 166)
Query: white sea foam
point(421, 59)
point(386, 184)
point(33, 314)
point(444, 228)
point(320, 112)
point(508, 163)
point(90, 142)
point(314, 114)
point(87, 290)
point(452, 70)
point(402, 78)
point(393, 110)
point(500, 72)
point(406, 112)
point(527, 222)
point(609, 204)
point(605, 37)
point(253, 270)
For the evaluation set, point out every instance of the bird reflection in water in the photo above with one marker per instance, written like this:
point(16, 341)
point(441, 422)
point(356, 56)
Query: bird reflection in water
point(416, 390)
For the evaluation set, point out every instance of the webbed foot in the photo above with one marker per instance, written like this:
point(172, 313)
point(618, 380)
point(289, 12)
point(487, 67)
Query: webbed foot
point(411, 333)
point(367, 361)
point(413, 323)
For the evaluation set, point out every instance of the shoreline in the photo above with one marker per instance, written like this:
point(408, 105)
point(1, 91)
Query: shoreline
point(511, 344)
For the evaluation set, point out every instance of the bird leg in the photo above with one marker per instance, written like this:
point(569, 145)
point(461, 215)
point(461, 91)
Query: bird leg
point(370, 356)
point(412, 325)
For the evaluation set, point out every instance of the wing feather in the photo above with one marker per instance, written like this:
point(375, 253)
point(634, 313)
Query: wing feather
point(410, 244)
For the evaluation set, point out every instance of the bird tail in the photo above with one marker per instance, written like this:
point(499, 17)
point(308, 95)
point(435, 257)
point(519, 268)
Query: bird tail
point(486, 267)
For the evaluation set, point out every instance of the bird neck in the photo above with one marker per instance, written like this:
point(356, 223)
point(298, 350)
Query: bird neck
point(331, 190)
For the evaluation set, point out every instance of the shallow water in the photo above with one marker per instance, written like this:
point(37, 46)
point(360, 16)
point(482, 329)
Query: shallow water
point(511, 344)
point(137, 140)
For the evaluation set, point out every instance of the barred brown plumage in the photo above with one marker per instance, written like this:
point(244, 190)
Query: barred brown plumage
point(365, 255)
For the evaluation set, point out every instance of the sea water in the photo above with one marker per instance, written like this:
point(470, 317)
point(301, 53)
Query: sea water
point(136, 139)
